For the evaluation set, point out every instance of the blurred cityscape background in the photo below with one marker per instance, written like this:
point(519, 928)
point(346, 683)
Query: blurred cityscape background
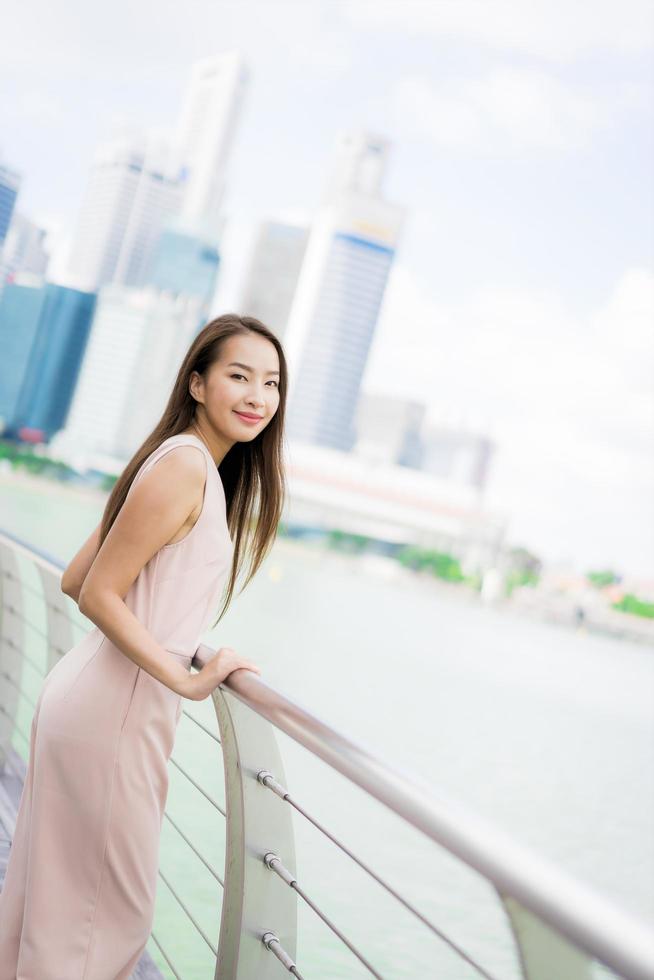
point(444, 209)
point(456, 259)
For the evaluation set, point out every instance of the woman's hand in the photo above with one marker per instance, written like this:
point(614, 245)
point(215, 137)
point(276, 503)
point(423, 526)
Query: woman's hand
point(199, 686)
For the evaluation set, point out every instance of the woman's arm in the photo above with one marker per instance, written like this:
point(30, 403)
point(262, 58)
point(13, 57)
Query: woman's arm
point(155, 510)
point(76, 571)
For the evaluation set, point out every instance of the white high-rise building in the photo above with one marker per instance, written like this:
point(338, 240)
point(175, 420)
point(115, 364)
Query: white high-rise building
point(9, 187)
point(457, 454)
point(272, 274)
point(358, 166)
point(395, 431)
point(23, 252)
point(143, 182)
point(134, 189)
point(137, 343)
point(207, 126)
point(388, 429)
point(339, 294)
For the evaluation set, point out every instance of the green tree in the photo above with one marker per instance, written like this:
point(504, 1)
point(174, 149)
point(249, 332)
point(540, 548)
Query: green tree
point(438, 563)
point(601, 579)
point(637, 607)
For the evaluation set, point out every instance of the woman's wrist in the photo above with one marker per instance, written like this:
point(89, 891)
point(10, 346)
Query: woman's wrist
point(184, 684)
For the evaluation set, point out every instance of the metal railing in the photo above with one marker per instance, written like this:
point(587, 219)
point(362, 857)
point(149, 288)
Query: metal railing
point(560, 926)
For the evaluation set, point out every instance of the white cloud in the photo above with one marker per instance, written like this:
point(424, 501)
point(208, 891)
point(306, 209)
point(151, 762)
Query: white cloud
point(507, 110)
point(569, 401)
point(559, 30)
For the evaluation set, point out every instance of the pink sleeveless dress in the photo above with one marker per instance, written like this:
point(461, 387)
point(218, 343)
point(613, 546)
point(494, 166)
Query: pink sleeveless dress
point(79, 891)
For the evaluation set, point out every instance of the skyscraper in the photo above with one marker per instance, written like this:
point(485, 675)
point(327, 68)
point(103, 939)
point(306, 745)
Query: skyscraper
point(339, 294)
point(138, 340)
point(207, 126)
point(20, 310)
point(272, 274)
point(9, 184)
point(388, 429)
point(184, 263)
point(395, 430)
point(186, 258)
point(57, 321)
point(135, 187)
point(24, 250)
point(457, 454)
point(154, 183)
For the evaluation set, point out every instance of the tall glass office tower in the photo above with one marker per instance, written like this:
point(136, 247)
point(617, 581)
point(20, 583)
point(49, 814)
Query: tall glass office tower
point(339, 295)
point(47, 329)
point(184, 263)
point(20, 310)
point(272, 275)
point(24, 251)
point(134, 189)
point(210, 114)
point(137, 344)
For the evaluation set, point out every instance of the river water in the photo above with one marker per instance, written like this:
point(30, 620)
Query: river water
point(546, 732)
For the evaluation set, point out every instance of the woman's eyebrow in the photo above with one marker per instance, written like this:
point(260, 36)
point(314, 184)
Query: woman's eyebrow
point(247, 367)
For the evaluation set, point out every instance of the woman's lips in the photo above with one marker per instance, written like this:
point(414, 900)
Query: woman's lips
point(251, 419)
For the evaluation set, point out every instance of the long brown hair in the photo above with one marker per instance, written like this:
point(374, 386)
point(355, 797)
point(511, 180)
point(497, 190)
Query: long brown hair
point(252, 473)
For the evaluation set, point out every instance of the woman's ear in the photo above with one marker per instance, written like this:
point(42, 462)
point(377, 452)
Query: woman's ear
point(195, 386)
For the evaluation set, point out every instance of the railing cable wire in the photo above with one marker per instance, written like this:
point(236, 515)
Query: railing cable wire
point(271, 942)
point(200, 725)
point(273, 862)
point(268, 780)
point(198, 787)
point(199, 928)
point(194, 848)
point(165, 956)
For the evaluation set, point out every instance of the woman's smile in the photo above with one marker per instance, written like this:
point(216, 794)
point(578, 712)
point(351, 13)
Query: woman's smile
point(248, 418)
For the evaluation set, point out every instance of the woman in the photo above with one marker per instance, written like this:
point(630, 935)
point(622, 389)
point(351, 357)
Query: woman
point(78, 897)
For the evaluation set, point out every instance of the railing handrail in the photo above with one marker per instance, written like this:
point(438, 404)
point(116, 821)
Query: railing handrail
point(589, 920)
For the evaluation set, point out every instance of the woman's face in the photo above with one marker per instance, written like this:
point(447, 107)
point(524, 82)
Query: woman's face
point(241, 390)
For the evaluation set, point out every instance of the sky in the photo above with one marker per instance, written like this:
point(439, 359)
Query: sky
point(521, 301)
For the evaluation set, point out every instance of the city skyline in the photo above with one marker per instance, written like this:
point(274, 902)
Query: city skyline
point(522, 293)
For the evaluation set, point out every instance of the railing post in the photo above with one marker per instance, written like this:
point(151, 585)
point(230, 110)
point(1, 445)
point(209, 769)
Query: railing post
point(59, 626)
point(12, 638)
point(256, 901)
point(544, 953)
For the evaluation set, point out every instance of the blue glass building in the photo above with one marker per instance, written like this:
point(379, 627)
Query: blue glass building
point(340, 332)
point(20, 312)
point(184, 263)
point(45, 330)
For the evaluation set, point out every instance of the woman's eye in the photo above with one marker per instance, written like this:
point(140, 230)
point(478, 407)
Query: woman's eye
point(243, 376)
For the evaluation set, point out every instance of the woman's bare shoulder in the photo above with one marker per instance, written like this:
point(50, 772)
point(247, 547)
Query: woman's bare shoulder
point(184, 459)
point(159, 504)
